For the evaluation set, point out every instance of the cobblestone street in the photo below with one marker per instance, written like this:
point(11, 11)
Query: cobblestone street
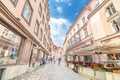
point(60, 72)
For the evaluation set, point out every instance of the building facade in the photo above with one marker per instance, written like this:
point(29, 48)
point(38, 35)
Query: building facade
point(108, 34)
point(57, 52)
point(80, 34)
point(101, 49)
point(24, 35)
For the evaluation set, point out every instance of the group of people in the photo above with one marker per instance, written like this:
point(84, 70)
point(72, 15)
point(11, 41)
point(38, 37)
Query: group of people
point(59, 60)
point(43, 61)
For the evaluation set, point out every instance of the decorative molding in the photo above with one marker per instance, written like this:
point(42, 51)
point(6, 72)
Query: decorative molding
point(98, 8)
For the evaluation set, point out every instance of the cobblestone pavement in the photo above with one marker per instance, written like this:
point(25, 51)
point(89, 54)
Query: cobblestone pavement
point(35, 75)
point(60, 72)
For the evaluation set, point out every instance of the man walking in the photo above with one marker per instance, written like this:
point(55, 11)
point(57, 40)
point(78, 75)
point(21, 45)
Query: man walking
point(59, 60)
point(43, 62)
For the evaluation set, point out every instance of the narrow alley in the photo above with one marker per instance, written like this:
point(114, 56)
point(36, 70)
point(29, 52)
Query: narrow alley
point(52, 71)
point(59, 39)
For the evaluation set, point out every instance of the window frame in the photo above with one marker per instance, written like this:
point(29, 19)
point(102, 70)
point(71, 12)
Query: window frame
point(83, 20)
point(116, 25)
point(41, 34)
point(44, 41)
point(38, 25)
point(79, 37)
point(110, 11)
point(21, 38)
point(78, 26)
point(40, 8)
point(85, 32)
point(31, 12)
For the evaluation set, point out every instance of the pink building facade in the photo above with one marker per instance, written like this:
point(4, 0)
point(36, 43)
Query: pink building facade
point(80, 35)
point(101, 48)
point(24, 36)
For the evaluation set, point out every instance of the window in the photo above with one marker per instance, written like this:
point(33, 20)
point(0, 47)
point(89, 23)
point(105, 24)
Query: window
point(83, 20)
point(78, 26)
point(69, 43)
point(75, 39)
point(45, 28)
point(45, 8)
point(73, 31)
point(40, 10)
point(43, 19)
point(116, 24)
point(14, 2)
point(9, 45)
point(44, 42)
point(88, 58)
point(97, 3)
point(42, 1)
point(5, 33)
point(86, 32)
point(79, 38)
point(36, 28)
point(41, 33)
point(27, 12)
point(110, 10)
point(117, 55)
point(47, 46)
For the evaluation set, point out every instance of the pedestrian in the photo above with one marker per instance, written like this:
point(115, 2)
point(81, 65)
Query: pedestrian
point(43, 62)
point(59, 60)
point(40, 61)
point(54, 59)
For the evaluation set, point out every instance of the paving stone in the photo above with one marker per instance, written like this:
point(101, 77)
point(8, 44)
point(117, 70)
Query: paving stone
point(54, 72)
point(60, 72)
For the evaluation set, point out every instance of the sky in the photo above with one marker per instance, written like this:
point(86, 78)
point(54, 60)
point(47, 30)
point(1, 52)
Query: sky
point(62, 15)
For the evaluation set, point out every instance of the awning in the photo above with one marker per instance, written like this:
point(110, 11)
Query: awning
point(104, 47)
point(113, 47)
point(85, 50)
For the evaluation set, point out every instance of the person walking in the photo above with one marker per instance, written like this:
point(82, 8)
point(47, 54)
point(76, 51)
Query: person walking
point(54, 59)
point(59, 60)
point(40, 61)
point(43, 62)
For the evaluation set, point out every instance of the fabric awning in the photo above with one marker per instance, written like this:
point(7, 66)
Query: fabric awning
point(85, 50)
point(103, 47)
point(111, 47)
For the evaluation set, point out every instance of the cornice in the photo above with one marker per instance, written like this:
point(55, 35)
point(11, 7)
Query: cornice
point(98, 8)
